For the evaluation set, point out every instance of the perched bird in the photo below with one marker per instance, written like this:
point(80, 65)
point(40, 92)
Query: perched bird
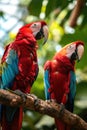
point(19, 69)
point(60, 79)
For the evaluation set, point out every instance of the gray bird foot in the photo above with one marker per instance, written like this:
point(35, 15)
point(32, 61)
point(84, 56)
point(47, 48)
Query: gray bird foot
point(62, 107)
point(36, 101)
point(19, 93)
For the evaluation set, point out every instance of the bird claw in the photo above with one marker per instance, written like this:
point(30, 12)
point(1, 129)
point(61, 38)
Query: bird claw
point(36, 102)
point(51, 100)
point(62, 107)
point(19, 93)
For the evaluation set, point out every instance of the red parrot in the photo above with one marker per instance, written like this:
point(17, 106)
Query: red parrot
point(60, 79)
point(19, 68)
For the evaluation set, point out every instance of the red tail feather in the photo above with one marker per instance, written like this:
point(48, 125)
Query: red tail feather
point(16, 123)
point(61, 126)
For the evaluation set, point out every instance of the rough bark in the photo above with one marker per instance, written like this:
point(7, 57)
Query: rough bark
point(76, 12)
point(44, 107)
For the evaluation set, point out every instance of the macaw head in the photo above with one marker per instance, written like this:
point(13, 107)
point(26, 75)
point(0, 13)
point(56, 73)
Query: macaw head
point(38, 29)
point(74, 51)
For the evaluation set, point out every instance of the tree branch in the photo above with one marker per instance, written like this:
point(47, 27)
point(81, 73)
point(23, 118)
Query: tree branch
point(76, 12)
point(44, 107)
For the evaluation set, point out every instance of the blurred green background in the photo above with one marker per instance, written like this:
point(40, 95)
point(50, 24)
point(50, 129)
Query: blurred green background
point(63, 30)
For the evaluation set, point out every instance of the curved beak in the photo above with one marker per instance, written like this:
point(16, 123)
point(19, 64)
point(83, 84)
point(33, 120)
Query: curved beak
point(80, 51)
point(45, 33)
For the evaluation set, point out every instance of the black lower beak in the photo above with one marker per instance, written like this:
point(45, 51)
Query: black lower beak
point(74, 56)
point(39, 34)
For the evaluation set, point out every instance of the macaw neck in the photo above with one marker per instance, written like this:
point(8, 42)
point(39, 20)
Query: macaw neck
point(28, 37)
point(65, 64)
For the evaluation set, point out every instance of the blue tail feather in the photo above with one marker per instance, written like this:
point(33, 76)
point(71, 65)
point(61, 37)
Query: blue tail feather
point(46, 84)
point(71, 97)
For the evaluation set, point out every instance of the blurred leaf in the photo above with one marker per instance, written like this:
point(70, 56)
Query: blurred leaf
point(81, 97)
point(1, 13)
point(80, 105)
point(54, 4)
point(38, 86)
point(46, 123)
point(30, 119)
point(34, 7)
point(81, 90)
point(84, 14)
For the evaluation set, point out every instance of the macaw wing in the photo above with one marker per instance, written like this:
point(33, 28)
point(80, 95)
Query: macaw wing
point(72, 84)
point(72, 91)
point(9, 69)
point(46, 84)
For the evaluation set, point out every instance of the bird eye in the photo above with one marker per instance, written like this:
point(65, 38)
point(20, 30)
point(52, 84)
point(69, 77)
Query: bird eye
point(34, 24)
point(70, 46)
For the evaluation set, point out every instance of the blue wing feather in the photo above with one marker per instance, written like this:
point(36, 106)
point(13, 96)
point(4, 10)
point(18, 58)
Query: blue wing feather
point(46, 84)
point(72, 85)
point(70, 104)
point(9, 69)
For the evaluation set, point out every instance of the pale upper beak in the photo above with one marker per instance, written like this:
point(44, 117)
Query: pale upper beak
point(45, 33)
point(80, 51)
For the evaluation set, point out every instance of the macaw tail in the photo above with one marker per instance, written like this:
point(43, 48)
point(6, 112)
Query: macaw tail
point(61, 126)
point(16, 122)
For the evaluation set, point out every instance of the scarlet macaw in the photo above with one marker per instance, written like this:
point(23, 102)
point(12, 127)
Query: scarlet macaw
point(60, 79)
point(19, 69)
